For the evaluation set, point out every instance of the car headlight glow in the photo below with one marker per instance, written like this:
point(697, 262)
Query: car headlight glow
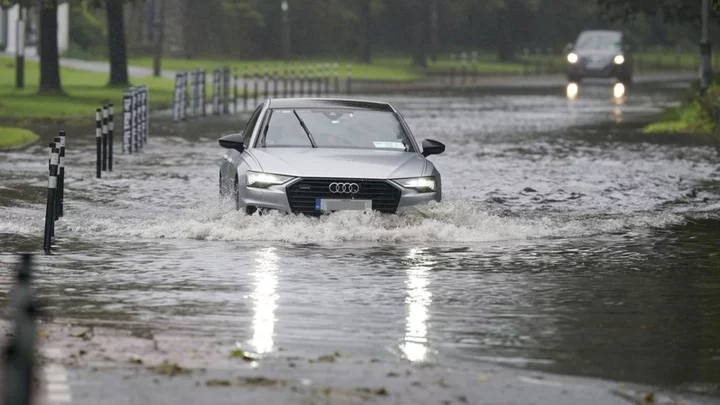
point(421, 184)
point(265, 180)
point(619, 60)
point(572, 57)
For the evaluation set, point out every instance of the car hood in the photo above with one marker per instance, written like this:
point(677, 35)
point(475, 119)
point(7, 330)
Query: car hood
point(596, 53)
point(340, 163)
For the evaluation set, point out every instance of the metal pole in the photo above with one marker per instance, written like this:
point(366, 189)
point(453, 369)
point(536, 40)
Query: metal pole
point(127, 122)
point(56, 204)
point(705, 51)
point(98, 143)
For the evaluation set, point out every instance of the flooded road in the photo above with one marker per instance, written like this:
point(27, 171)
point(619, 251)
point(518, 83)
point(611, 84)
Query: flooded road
point(559, 246)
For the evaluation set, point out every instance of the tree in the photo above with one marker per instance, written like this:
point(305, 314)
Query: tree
point(117, 48)
point(670, 10)
point(49, 54)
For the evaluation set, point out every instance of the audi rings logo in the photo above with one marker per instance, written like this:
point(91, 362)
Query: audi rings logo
point(344, 188)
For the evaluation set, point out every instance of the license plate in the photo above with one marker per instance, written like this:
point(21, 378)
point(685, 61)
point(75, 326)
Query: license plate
point(322, 204)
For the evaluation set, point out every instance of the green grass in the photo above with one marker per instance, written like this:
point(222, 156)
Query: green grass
point(674, 120)
point(16, 137)
point(385, 69)
point(85, 91)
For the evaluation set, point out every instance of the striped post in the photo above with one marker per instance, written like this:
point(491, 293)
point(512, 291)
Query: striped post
point(146, 114)
point(98, 143)
point(348, 82)
point(57, 141)
point(328, 74)
point(235, 90)
point(266, 78)
point(275, 82)
point(319, 79)
point(177, 97)
point(61, 175)
point(51, 198)
point(301, 89)
point(111, 135)
point(336, 68)
point(285, 81)
point(203, 92)
point(216, 91)
point(105, 116)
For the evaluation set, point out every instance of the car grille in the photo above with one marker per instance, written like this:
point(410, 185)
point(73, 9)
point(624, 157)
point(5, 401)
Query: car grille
point(301, 195)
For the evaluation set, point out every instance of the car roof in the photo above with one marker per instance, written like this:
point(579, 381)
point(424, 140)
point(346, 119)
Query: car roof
point(329, 103)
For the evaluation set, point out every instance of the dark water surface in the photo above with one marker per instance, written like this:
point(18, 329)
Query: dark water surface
point(555, 248)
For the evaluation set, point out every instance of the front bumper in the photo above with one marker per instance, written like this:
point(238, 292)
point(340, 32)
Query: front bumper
point(277, 198)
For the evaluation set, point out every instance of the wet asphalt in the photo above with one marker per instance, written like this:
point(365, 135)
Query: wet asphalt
point(570, 256)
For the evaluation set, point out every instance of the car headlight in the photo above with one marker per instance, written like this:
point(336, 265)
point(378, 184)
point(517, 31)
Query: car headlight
point(265, 180)
point(421, 184)
point(572, 57)
point(619, 60)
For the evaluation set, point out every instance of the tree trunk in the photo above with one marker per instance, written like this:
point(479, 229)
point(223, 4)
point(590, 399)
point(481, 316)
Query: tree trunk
point(419, 58)
point(505, 48)
point(366, 34)
point(49, 55)
point(116, 44)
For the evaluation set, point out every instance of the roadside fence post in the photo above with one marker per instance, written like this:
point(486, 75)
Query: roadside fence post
point(320, 80)
point(266, 80)
point(303, 78)
point(216, 91)
point(235, 90)
point(56, 204)
point(538, 61)
point(550, 60)
point(275, 82)
point(104, 137)
point(203, 92)
point(285, 81)
point(474, 67)
point(348, 83)
point(98, 143)
point(256, 85)
point(226, 90)
point(336, 68)
point(61, 178)
point(184, 96)
point(127, 121)
point(452, 70)
point(176, 99)
point(328, 74)
point(146, 113)
point(311, 80)
point(245, 88)
point(50, 208)
point(293, 78)
point(193, 93)
point(111, 138)
point(463, 68)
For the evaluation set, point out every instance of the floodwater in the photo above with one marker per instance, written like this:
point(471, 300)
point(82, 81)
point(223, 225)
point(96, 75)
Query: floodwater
point(560, 246)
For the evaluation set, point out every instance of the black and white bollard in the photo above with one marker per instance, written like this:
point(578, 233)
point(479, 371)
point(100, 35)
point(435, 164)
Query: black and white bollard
point(111, 136)
point(293, 78)
point(136, 119)
point(328, 74)
point(303, 78)
point(319, 79)
point(203, 92)
point(193, 94)
point(19, 354)
point(311, 80)
point(56, 206)
point(285, 81)
point(51, 198)
point(105, 118)
point(146, 114)
point(98, 143)
point(61, 175)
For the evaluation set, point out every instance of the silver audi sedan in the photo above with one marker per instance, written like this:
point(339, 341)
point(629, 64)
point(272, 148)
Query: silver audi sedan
point(315, 156)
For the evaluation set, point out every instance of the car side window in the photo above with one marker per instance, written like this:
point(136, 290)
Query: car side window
point(247, 133)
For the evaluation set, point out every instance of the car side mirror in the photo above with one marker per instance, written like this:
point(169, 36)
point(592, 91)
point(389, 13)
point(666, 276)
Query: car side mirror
point(233, 141)
point(432, 147)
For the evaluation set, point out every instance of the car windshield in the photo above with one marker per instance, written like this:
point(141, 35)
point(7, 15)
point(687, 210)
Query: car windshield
point(600, 42)
point(333, 128)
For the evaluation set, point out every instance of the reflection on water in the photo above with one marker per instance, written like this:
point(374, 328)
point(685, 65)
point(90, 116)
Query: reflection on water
point(264, 300)
point(572, 91)
point(619, 93)
point(418, 300)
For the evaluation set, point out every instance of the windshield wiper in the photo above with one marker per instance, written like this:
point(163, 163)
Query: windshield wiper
point(307, 131)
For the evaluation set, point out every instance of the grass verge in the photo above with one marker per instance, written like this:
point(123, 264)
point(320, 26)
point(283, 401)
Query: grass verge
point(16, 137)
point(84, 92)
